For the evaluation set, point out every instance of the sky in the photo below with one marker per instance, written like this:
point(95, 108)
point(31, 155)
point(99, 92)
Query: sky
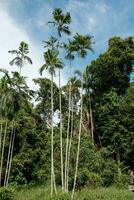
point(26, 20)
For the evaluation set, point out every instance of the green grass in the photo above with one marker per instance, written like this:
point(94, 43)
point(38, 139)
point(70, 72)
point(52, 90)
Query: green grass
point(43, 193)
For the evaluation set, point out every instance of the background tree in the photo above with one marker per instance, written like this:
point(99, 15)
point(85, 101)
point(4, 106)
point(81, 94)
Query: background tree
point(21, 56)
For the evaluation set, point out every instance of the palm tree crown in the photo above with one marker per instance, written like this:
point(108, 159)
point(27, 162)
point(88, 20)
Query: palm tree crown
point(51, 61)
point(20, 55)
point(14, 92)
point(61, 21)
point(81, 44)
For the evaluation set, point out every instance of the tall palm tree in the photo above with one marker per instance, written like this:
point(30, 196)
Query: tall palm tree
point(52, 62)
point(75, 85)
point(16, 92)
point(69, 56)
point(1, 131)
point(61, 22)
point(20, 94)
point(21, 56)
point(82, 44)
point(2, 152)
point(88, 100)
point(3, 89)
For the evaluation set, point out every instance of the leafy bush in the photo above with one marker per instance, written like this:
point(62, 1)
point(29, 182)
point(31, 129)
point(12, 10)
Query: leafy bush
point(6, 194)
point(122, 180)
point(109, 172)
point(87, 178)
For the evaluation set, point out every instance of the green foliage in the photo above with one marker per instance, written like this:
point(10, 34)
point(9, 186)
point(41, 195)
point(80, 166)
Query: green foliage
point(99, 193)
point(6, 194)
point(86, 178)
point(61, 197)
point(113, 68)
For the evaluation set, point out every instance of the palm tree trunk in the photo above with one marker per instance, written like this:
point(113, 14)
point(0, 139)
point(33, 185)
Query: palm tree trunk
point(61, 128)
point(10, 162)
point(53, 184)
point(70, 143)
point(79, 140)
point(67, 139)
point(91, 121)
point(2, 153)
point(9, 155)
point(118, 157)
point(1, 137)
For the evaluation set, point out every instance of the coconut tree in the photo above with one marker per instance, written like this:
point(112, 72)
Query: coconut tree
point(52, 62)
point(61, 22)
point(21, 56)
point(82, 44)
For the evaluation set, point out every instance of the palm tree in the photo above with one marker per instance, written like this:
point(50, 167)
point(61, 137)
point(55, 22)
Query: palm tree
point(21, 56)
point(61, 22)
point(82, 44)
point(69, 56)
point(2, 152)
point(1, 131)
point(75, 85)
point(19, 94)
point(3, 89)
point(52, 62)
point(88, 100)
point(15, 92)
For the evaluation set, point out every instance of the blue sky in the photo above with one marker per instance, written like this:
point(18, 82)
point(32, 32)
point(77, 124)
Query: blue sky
point(25, 20)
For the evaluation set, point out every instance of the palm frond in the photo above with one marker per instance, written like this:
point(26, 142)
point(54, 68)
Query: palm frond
point(78, 72)
point(42, 68)
point(13, 61)
point(28, 59)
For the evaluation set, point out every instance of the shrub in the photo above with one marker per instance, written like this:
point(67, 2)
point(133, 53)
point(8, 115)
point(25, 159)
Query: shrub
point(6, 194)
point(87, 178)
point(108, 172)
point(122, 180)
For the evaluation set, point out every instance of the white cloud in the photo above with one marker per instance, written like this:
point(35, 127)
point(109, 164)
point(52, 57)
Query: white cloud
point(101, 7)
point(11, 34)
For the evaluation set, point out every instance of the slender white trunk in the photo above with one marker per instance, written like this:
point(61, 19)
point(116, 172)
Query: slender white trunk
point(9, 155)
point(67, 139)
point(91, 121)
point(2, 153)
point(1, 142)
point(70, 142)
point(119, 165)
point(53, 184)
point(61, 128)
point(79, 140)
point(1, 127)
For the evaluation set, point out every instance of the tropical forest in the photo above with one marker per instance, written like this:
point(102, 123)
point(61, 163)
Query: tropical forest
point(71, 136)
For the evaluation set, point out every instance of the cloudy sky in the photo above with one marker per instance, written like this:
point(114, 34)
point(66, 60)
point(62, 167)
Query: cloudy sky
point(26, 20)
